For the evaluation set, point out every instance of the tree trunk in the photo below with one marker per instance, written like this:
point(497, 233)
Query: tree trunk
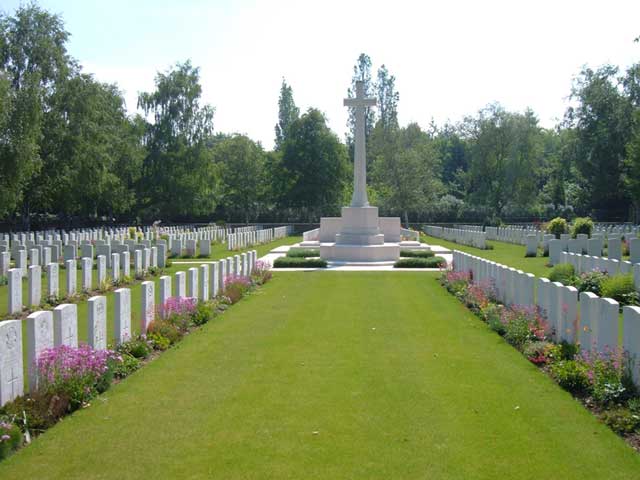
point(406, 219)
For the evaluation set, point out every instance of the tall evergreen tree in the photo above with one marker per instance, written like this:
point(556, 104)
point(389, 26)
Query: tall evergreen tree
point(287, 114)
point(388, 99)
point(361, 72)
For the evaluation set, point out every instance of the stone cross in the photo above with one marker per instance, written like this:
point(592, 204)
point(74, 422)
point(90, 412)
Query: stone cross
point(360, 103)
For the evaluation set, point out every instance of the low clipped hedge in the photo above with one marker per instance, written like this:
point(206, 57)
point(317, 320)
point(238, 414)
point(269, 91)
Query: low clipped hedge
point(418, 262)
point(303, 253)
point(299, 262)
point(416, 253)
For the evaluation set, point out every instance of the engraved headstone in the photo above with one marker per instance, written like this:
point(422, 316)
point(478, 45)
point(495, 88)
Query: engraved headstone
point(39, 337)
point(11, 365)
point(97, 327)
point(65, 325)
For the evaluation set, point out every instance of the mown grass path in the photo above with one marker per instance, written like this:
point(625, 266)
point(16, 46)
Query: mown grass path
point(335, 375)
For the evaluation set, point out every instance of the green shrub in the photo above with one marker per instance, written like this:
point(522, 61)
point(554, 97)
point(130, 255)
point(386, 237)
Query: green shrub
point(571, 375)
point(127, 366)
point(203, 313)
point(416, 253)
point(40, 409)
point(3, 280)
point(582, 225)
point(563, 273)
point(591, 282)
point(622, 420)
point(137, 347)
point(557, 226)
point(159, 341)
point(165, 329)
point(621, 288)
point(295, 262)
point(303, 253)
point(417, 262)
point(10, 438)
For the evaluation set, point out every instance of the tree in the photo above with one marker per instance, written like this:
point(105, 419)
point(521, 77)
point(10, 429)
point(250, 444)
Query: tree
point(361, 72)
point(388, 99)
point(287, 114)
point(88, 136)
point(601, 120)
point(179, 177)
point(33, 58)
point(505, 156)
point(241, 166)
point(316, 163)
point(407, 174)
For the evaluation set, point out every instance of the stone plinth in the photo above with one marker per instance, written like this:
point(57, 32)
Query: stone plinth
point(334, 252)
point(359, 227)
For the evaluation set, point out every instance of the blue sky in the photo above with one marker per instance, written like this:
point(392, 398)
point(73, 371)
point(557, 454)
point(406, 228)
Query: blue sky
point(450, 58)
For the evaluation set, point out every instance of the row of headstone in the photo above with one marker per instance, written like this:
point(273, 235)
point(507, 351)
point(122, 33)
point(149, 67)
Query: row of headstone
point(240, 240)
point(47, 329)
point(588, 263)
point(118, 268)
point(586, 318)
point(593, 247)
point(472, 238)
point(513, 234)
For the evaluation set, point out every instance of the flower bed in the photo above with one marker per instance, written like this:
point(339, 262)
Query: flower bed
point(600, 380)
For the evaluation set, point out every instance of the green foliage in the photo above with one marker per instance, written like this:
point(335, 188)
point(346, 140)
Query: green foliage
point(581, 225)
point(303, 253)
point(563, 273)
point(621, 288)
point(240, 163)
point(161, 329)
point(622, 420)
point(203, 313)
point(591, 282)
point(159, 341)
point(311, 152)
point(177, 147)
point(296, 262)
point(405, 168)
point(287, 114)
point(10, 438)
point(416, 253)
point(419, 262)
point(127, 366)
point(138, 347)
point(571, 375)
point(557, 226)
point(41, 409)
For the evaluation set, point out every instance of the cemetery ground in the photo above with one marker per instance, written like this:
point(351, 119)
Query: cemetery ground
point(508, 254)
point(334, 375)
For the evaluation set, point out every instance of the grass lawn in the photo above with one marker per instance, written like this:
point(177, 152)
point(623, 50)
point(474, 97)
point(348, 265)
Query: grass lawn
point(332, 375)
point(507, 254)
point(136, 293)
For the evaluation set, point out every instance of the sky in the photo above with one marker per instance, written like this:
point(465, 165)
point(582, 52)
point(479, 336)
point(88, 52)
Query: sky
point(450, 58)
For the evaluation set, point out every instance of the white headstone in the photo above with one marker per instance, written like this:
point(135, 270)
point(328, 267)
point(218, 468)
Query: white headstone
point(181, 285)
point(87, 272)
point(192, 283)
point(115, 266)
point(148, 305)
point(631, 339)
point(11, 366)
point(125, 262)
point(35, 285)
point(122, 326)
point(203, 283)
point(72, 277)
point(97, 327)
point(165, 291)
point(213, 280)
point(65, 325)
point(39, 337)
